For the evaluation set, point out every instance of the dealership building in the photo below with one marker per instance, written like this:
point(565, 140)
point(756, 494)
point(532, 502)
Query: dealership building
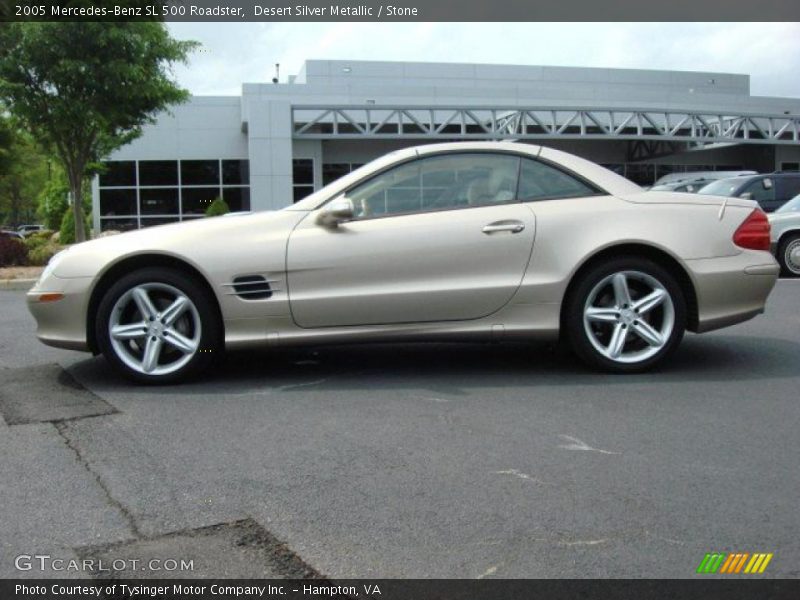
point(278, 142)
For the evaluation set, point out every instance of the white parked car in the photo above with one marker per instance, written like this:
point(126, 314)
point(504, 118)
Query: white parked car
point(785, 234)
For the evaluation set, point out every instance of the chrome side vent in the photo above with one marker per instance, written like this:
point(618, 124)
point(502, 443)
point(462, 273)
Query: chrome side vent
point(252, 287)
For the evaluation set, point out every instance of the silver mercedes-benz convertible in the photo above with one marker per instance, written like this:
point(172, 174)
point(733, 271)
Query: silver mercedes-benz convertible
point(466, 241)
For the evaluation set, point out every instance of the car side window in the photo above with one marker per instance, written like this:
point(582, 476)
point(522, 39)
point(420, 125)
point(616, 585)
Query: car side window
point(459, 180)
point(539, 181)
point(760, 190)
point(788, 187)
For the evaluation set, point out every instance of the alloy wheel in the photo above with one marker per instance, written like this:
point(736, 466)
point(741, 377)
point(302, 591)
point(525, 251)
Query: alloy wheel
point(628, 316)
point(154, 328)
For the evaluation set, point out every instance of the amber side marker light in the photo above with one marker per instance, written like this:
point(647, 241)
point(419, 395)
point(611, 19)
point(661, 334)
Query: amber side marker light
point(50, 297)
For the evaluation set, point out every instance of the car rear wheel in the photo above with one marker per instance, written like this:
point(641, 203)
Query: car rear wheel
point(158, 326)
point(625, 315)
point(789, 255)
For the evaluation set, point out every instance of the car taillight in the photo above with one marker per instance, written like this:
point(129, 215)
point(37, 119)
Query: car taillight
point(754, 232)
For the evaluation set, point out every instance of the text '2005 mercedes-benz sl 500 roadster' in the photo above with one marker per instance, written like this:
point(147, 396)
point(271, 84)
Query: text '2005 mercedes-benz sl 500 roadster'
point(466, 241)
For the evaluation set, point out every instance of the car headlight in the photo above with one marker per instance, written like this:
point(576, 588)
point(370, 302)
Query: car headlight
point(52, 264)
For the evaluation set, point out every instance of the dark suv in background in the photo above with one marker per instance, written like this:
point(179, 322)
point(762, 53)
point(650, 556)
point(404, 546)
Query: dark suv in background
point(770, 190)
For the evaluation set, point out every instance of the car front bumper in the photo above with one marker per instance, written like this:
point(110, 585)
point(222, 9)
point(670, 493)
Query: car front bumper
point(60, 309)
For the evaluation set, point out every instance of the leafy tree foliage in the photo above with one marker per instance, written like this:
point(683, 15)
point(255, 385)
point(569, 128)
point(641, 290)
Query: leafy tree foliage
point(23, 173)
point(83, 89)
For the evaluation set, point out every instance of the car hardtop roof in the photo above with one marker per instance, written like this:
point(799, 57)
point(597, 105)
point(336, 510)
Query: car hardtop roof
point(599, 176)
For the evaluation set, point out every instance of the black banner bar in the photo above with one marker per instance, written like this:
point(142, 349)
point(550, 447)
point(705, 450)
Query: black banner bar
point(733, 588)
point(399, 10)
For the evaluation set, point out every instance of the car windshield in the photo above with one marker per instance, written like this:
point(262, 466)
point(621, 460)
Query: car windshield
point(723, 187)
point(792, 205)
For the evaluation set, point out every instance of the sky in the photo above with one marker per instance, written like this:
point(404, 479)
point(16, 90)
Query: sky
point(233, 53)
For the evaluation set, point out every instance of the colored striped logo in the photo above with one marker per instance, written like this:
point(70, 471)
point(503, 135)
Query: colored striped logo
point(734, 562)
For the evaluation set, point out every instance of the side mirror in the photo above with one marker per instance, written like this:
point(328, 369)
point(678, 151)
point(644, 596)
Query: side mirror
point(335, 212)
point(768, 184)
point(746, 195)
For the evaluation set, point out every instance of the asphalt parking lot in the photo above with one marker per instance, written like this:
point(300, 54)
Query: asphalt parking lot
point(408, 461)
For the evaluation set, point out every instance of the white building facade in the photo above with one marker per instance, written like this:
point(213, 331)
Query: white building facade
point(277, 143)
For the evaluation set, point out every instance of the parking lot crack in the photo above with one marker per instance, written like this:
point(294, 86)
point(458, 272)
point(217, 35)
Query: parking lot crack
point(62, 428)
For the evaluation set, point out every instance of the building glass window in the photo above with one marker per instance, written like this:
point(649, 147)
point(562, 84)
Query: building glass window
point(333, 171)
point(147, 192)
point(119, 224)
point(302, 178)
point(118, 173)
point(117, 202)
point(235, 172)
point(237, 198)
point(195, 201)
point(158, 172)
point(199, 172)
point(159, 201)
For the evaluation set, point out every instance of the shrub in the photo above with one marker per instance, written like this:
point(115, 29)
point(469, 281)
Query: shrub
point(67, 232)
point(218, 207)
point(39, 255)
point(52, 202)
point(40, 238)
point(13, 253)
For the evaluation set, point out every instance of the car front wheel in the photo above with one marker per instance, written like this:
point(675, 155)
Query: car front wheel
point(789, 255)
point(625, 315)
point(158, 325)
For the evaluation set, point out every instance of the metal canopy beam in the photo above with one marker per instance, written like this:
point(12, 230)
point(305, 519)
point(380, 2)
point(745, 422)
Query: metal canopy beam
point(541, 123)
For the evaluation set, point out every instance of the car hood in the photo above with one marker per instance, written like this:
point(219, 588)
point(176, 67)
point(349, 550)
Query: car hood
point(186, 240)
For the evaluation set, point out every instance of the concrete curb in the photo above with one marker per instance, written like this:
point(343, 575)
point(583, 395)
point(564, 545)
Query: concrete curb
point(16, 284)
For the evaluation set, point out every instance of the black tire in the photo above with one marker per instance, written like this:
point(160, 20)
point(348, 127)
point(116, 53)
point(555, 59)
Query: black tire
point(629, 322)
point(159, 282)
point(788, 268)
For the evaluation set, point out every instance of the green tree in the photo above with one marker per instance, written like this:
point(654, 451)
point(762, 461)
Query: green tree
point(6, 141)
point(83, 89)
point(53, 202)
point(217, 207)
point(23, 174)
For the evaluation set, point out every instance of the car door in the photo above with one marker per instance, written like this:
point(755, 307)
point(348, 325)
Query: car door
point(437, 238)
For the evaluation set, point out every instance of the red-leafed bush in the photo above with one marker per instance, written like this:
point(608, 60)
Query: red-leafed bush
point(13, 253)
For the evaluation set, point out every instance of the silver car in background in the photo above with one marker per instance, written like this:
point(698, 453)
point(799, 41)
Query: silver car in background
point(483, 241)
point(785, 236)
point(689, 186)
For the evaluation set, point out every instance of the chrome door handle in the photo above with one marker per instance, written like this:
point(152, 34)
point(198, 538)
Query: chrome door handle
point(511, 226)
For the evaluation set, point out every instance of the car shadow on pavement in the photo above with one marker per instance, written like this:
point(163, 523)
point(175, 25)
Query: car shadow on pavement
point(454, 368)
